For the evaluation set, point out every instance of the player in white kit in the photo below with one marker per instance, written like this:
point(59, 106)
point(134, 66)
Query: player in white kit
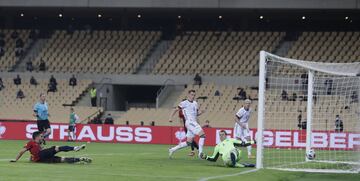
point(191, 111)
point(241, 129)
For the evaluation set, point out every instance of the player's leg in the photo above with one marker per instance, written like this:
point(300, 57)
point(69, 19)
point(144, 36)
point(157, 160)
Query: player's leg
point(69, 148)
point(247, 137)
point(196, 129)
point(189, 138)
point(46, 126)
point(69, 135)
point(236, 132)
point(75, 160)
point(201, 141)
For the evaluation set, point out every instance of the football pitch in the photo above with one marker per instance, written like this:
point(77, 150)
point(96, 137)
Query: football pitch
point(138, 162)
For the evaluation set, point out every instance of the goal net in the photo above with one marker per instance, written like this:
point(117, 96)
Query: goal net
point(307, 106)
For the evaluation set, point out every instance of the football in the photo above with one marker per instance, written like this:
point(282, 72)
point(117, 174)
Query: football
point(311, 154)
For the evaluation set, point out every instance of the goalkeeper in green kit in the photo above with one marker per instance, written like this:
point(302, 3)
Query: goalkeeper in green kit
point(228, 151)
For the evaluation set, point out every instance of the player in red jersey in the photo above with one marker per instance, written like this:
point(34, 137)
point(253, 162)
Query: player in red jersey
point(193, 144)
point(48, 155)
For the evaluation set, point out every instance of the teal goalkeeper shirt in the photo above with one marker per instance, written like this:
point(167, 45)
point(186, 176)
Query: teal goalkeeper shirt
point(41, 109)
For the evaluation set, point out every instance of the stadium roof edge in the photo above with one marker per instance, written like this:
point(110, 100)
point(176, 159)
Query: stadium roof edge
point(218, 4)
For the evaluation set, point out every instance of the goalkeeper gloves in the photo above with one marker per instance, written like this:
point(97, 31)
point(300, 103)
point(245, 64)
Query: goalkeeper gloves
point(203, 156)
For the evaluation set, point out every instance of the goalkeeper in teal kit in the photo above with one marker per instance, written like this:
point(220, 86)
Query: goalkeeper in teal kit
point(228, 151)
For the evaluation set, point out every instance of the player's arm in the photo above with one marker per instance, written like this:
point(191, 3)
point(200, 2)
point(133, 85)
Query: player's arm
point(213, 157)
point(35, 114)
point(240, 143)
point(173, 112)
point(22, 151)
point(77, 119)
point(200, 112)
point(237, 119)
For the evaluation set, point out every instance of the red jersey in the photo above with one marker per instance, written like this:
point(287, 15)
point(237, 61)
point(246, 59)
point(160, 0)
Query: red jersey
point(34, 149)
point(181, 114)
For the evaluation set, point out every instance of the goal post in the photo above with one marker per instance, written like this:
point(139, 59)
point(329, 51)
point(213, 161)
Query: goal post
point(306, 105)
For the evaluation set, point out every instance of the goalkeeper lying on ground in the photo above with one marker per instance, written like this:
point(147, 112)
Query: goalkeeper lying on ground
point(228, 151)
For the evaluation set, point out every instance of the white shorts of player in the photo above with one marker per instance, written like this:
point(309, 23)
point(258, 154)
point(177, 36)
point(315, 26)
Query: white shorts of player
point(193, 129)
point(240, 132)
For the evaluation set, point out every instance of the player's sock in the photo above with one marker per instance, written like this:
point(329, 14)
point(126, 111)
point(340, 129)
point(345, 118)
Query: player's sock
point(72, 134)
point(233, 159)
point(249, 150)
point(179, 146)
point(46, 134)
point(195, 145)
point(201, 144)
point(239, 165)
point(71, 160)
point(66, 148)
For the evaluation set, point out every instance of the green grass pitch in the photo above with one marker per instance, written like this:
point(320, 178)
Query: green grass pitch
point(136, 162)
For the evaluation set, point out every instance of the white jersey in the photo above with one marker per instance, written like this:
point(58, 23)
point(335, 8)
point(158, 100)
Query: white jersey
point(243, 115)
point(190, 110)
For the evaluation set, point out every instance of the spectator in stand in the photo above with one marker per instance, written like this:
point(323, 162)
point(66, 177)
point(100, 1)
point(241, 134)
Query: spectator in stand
point(2, 42)
point(242, 94)
point(42, 66)
point(284, 95)
point(1, 84)
point(354, 97)
point(19, 43)
point(33, 34)
point(18, 52)
point(52, 84)
point(109, 119)
point(207, 124)
point(328, 86)
point(339, 126)
point(51, 87)
point(197, 80)
point(294, 97)
point(2, 51)
point(53, 80)
point(299, 119)
point(73, 81)
point(29, 66)
point(14, 35)
point(93, 96)
point(217, 93)
point(17, 80)
point(304, 81)
point(20, 94)
point(33, 81)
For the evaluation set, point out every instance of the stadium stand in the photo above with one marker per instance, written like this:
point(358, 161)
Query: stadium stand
point(216, 53)
point(220, 110)
point(115, 52)
point(337, 47)
point(24, 107)
point(9, 59)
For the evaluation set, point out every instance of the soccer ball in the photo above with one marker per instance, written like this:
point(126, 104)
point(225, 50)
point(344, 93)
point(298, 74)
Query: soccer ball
point(310, 154)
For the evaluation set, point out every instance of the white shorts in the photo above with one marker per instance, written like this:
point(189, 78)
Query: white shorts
point(240, 132)
point(193, 129)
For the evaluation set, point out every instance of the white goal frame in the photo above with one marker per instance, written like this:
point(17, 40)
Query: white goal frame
point(311, 67)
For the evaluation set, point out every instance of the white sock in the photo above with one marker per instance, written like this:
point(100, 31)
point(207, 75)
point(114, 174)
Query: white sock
point(179, 146)
point(201, 144)
point(72, 135)
point(249, 150)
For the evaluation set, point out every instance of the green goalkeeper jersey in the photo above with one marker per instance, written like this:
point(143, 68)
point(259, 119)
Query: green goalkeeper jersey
point(224, 147)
